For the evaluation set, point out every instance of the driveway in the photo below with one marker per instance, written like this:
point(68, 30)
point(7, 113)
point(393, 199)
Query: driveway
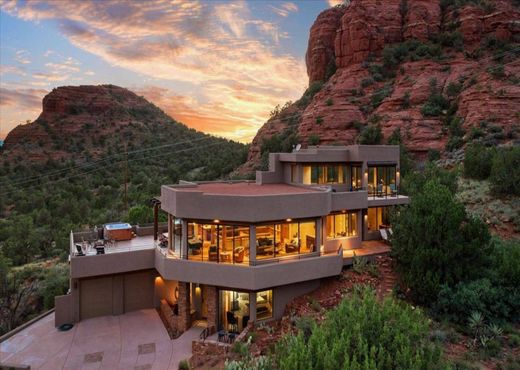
point(136, 340)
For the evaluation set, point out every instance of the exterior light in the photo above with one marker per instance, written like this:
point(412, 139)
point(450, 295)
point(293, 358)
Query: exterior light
point(289, 220)
point(216, 221)
point(343, 211)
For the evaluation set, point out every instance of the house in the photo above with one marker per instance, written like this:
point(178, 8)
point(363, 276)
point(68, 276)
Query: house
point(236, 252)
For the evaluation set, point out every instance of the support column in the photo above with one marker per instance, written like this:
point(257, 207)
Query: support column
point(252, 244)
point(364, 176)
point(155, 220)
point(184, 306)
point(319, 234)
point(184, 240)
point(252, 307)
point(170, 233)
point(210, 297)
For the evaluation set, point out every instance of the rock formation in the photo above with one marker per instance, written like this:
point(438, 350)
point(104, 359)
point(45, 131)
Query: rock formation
point(474, 64)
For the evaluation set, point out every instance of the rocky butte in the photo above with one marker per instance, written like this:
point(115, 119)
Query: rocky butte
point(440, 72)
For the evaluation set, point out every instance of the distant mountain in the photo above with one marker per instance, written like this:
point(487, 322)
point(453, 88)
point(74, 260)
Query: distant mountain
point(93, 121)
point(439, 73)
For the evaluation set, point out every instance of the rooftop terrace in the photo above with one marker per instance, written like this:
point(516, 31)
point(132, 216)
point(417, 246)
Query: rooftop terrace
point(245, 188)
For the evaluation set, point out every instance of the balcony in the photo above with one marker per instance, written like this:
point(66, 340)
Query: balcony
point(255, 276)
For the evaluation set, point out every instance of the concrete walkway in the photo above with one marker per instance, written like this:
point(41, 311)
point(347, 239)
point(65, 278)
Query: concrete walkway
point(136, 340)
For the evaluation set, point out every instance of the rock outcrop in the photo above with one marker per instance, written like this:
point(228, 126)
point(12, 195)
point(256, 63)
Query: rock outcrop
point(477, 72)
point(83, 119)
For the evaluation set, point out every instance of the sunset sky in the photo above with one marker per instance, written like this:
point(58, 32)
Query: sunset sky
point(217, 66)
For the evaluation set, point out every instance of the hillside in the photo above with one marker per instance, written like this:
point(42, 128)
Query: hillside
point(441, 72)
point(67, 169)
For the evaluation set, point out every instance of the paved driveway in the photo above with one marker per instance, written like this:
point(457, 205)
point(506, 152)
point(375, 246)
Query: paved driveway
point(136, 340)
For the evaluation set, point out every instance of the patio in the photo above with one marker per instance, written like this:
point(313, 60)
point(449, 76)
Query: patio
point(136, 340)
point(369, 249)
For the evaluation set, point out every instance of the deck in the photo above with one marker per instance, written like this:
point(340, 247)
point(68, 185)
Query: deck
point(369, 249)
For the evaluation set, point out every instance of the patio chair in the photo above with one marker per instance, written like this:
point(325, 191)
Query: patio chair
point(393, 189)
point(79, 251)
point(195, 248)
point(239, 255)
point(213, 255)
point(100, 250)
point(232, 321)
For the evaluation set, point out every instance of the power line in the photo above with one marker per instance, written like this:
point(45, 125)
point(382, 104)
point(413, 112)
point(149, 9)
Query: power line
point(116, 162)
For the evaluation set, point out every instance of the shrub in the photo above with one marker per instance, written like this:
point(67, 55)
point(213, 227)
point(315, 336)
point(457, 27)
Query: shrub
point(505, 177)
point(435, 243)
point(477, 162)
point(493, 301)
point(453, 89)
point(362, 333)
point(184, 365)
point(415, 182)
point(371, 135)
point(366, 82)
point(406, 100)
point(307, 96)
point(314, 139)
point(329, 102)
point(319, 120)
point(434, 155)
point(377, 98)
point(436, 103)
point(497, 72)
point(305, 325)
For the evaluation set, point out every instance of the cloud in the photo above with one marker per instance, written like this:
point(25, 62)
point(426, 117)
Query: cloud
point(90, 73)
point(14, 70)
point(219, 51)
point(17, 105)
point(336, 2)
point(285, 9)
point(22, 57)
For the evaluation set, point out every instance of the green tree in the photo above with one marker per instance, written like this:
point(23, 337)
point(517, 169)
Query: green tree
point(371, 135)
point(477, 162)
point(505, 174)
point(362, 333)
point(436, 243)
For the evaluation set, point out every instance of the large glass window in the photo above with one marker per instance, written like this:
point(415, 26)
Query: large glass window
point(233, 310)
point(341, 225)
point(355, 178)
point(218, 243)
point(324, 174)
point(378, 218)
point(264, 305)
point(175, 232)
point(382, 180)
point(287, 238)
point(294, 177)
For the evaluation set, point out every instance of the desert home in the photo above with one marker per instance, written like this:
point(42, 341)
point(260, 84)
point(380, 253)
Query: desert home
point(236, 252)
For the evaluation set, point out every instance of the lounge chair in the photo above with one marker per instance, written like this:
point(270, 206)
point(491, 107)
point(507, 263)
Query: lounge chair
point(384, 234)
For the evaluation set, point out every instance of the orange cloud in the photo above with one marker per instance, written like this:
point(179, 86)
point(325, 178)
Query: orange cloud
point(17, 105)
point(209, 48)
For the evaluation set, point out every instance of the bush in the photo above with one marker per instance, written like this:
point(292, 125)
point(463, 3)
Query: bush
point(314, 139)
point(477, 162)
point(371, 135)
point(307, 96)
point(329, 102)
point(453, 89)
point(436, 103)
point(493, 301)
point(184, 365)
point(363, 333)
point(435, 243)
point(434, 155)
point(497, 72)
point(505, 176)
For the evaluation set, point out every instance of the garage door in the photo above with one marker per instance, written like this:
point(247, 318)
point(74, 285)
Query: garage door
point(138, 291)
point(96, 297)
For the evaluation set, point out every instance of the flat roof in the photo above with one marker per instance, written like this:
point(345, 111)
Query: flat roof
point(247, 188)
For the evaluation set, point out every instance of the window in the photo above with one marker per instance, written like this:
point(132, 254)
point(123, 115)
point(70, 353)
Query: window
point(382, 180)
point(218, 243)
point(324, 174)
point(294, 177)
point(341, 225)
point(283, 239)
point(264, 305)
point(176, 233)
point(355, 178)
point(233, 310)
point(378, 217)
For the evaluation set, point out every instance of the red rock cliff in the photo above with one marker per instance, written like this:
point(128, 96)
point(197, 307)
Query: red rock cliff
point(479, 54)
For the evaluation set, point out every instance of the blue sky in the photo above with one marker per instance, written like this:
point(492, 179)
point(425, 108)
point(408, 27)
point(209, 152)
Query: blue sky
point(217, 66)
